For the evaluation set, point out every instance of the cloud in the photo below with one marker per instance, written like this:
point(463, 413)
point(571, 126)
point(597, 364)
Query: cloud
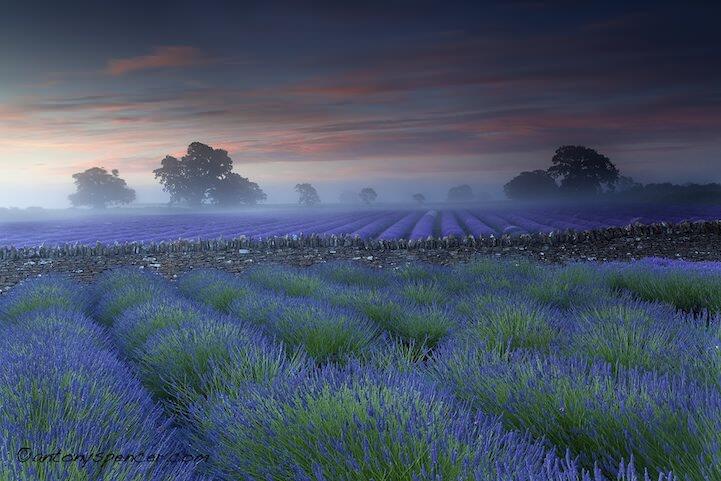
point(161, 57)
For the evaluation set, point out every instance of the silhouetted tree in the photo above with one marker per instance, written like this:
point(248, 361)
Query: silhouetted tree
point(673, 193)
point(206, 173)
point(368, 195)
point(419, 198)
point(460, 193)
point(308, 195)
point(98, 188)
point(582, 170)
point(233, 190)
point(535, 184)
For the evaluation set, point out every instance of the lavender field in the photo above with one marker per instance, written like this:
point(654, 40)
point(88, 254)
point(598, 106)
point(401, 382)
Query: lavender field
point(366, 224)
point(489, 371)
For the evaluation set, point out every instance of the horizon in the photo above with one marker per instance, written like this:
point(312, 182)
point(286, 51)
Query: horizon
point(401, 98)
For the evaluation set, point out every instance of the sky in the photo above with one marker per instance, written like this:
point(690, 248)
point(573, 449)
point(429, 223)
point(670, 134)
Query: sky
point(404, 96)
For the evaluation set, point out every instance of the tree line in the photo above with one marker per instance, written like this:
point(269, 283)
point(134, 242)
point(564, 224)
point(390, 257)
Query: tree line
point(577, 171)
point(204, 175)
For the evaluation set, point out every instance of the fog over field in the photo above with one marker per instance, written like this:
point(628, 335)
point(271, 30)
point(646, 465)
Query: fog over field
point(388, 240)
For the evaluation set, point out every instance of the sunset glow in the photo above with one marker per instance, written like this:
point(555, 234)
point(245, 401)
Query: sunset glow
point(441, 91)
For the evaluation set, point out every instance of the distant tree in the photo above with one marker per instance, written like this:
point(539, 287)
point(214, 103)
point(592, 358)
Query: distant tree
point(419, 198)
point(97, 188)
point(460, 193)
point(233, 190)
point(673, 193)
point(582, 171)
point(205, 173)
point(308, 195)
point(368, 195)
point(536, 184)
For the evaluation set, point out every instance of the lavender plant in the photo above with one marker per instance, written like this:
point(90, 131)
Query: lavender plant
point(135, 325)
point(174, 361)
point(215, 288)
point(686, 286)
point(604, 416)
point(326, 333)
point(512, 323)
point(43, 293)
point(288, 281)
point(68, 394)
point(355, 424)
point(346, 273)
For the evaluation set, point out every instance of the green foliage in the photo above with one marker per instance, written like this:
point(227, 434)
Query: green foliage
point(423, 293)
point(174, 362)
point(511, 325)
point(286, 281)
point(354, 275)
point(570, 286)
point(326, 334)
point(686, 289)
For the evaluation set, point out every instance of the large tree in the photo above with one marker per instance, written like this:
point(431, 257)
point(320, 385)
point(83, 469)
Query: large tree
point(205, 173)
point(233, 190)
point(419, 198)
point(460, 193)
point(97, 188)
point(536, 184)
point(308, 196)
point(582, 171)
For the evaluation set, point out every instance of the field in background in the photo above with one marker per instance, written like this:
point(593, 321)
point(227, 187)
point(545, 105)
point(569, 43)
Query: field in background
point(367, 224)
point(489, 370)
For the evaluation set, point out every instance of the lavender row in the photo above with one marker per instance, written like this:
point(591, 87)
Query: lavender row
point(71, 409)
point(382, 225)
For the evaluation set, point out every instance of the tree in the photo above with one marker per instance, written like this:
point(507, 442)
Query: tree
point(368, 195)
point(202, 171)
point(582, 170)
point(460, 193)
point(98, 188)
point(536, 184)
point(233, 190)
point(308, 195)
point(419, 198)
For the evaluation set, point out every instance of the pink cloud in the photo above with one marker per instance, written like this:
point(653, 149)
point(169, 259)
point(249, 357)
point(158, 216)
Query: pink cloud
point(161, 57)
